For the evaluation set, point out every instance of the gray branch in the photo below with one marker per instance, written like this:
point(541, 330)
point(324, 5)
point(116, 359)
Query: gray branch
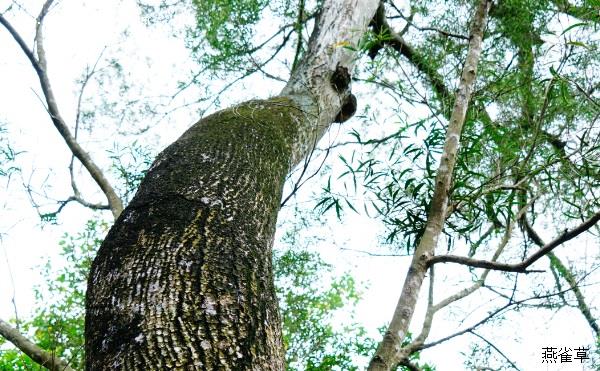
point(522, 266)
point(39, 64)
point(37, 354)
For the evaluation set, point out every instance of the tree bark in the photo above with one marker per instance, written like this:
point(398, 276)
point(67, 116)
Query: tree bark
point(184, 277)
point(388, 353)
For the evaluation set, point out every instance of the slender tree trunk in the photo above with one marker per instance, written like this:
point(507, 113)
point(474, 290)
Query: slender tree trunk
point(184, 278)
point(388, 354)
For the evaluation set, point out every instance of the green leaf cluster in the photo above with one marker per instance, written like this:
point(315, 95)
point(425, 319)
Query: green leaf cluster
point(8, 155)
point(532, 123)
point(313, 341)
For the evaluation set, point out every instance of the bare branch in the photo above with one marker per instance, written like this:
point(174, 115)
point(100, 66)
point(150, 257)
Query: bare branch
point(522, 266)
point(39, 64)
point(300, 182)
point(490, 315)
point(433, 309)
point(567, 275)
point(397, 42)
point(12, 284)
point(84, 83)
point(40, 356)
point(82, 202)
point(409, 22)
point(76, 193)
point(374, 254)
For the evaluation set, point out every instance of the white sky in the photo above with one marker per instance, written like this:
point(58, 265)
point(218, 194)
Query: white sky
point(76, 32)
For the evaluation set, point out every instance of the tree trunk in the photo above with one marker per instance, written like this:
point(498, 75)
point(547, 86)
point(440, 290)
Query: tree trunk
point(184, 277)
point(389, 353)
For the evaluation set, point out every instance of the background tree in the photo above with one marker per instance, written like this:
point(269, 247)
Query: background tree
point(480, 209)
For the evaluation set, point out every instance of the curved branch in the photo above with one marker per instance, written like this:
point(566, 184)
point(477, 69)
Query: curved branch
point(410, 23)
point(39, 64)
point(433, 309)
point(397, 42)
point(567, 275)
point(490, 315)
point(82, 202)
point(522, 266)
point(37, 354)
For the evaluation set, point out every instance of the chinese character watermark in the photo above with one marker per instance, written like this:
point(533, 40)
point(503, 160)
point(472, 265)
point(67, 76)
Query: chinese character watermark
point(564, 355)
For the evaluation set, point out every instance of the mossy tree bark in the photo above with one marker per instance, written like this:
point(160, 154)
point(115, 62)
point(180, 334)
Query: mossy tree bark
point(184, 277)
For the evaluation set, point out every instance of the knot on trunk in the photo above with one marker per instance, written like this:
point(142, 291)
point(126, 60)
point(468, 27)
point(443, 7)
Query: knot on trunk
point(340, 79)
point(348, 109)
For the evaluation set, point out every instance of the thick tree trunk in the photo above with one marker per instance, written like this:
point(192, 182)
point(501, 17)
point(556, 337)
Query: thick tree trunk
point(184, 278)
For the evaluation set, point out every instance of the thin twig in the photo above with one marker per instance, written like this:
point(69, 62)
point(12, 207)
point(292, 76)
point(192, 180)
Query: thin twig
point(512, 364)
point(483, 321)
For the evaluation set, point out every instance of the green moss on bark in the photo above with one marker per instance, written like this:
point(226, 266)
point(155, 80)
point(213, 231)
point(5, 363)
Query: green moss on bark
point(186, 270)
